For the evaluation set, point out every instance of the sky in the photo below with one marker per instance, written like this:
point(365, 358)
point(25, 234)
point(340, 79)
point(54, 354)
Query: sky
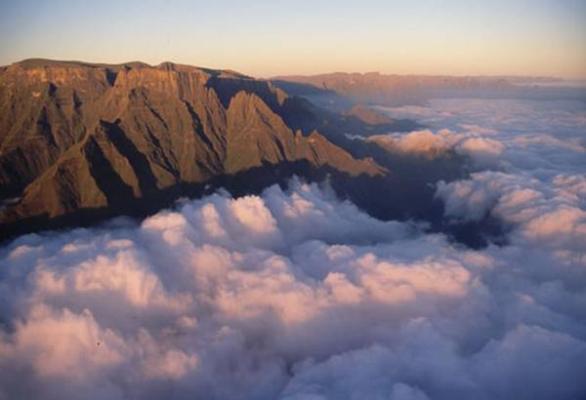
point(266, 38)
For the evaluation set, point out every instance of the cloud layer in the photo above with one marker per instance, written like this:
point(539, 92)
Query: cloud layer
point(297, 295)
point(484, 152)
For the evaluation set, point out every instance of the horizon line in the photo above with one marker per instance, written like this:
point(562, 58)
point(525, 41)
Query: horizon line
point(293, 74)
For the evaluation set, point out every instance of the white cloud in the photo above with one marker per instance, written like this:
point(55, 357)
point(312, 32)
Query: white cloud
point(59, 343)
point(297, 295)
point(508, 135)
point(484, 152)
point(295, 312)
point(423, 142)
point(546, 212)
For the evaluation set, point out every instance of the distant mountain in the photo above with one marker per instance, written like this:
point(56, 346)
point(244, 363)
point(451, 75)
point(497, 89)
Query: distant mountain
point(114, 139)
point(390, 90)
point(341, 90)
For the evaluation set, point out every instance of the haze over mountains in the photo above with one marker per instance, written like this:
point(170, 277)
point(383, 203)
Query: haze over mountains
point(336, 89)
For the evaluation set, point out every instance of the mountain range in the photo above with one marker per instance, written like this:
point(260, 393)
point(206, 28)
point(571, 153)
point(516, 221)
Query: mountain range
point(339, 90)
point(81, 143)
point(118, 139)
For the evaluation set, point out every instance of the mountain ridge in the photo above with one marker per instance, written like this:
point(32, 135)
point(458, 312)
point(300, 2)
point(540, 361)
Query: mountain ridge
point(342, 90)
point(77, 135)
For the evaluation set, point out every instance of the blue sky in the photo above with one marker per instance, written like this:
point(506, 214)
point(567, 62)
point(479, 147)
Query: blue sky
point(262, 38)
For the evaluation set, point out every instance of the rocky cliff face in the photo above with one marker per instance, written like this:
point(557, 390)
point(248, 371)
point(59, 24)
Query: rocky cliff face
point(86, 136)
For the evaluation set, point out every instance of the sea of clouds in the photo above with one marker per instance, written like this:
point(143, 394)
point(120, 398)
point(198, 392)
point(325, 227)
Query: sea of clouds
point(297, 295)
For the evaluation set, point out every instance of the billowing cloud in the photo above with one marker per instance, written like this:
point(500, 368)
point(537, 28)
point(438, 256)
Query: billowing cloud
point(423, 142)
point(297, 295)
point(500, 134)
point(484, 152)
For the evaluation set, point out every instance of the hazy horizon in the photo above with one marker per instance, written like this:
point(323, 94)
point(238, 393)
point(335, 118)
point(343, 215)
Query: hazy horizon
point(527, 38)
point(332, 72)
